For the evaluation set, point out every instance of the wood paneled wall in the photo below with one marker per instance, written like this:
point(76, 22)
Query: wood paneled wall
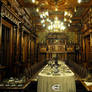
point(18, 46)
point(87, 38)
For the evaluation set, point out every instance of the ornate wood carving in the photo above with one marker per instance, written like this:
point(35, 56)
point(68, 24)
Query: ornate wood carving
point(7, 13)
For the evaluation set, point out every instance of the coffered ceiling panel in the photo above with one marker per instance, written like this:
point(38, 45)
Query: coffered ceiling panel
point(60, 5)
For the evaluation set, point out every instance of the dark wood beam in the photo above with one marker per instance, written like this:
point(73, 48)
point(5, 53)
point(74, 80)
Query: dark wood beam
point(85, 5)
point(84, 13)
point(75, 22)
point(76, 18)
point(21, 2)
point(30, 5)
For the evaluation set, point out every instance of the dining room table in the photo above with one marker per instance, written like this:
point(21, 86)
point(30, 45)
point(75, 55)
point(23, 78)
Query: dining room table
point(56, 79)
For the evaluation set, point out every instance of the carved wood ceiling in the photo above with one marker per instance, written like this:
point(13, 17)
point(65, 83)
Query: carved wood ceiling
point(62, 5)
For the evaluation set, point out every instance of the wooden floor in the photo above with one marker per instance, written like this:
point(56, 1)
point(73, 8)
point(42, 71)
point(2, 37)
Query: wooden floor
point(79, 87)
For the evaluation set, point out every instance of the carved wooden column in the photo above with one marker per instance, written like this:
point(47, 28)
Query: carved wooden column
point(91, 39)
point(38, 50)
point(32, 51)
point(90, 57)
point(29, 53)
point(20, 42)
point(17, 51)
point(83, 53)
point(0, 33)
point(15, 42)
point(35, 50)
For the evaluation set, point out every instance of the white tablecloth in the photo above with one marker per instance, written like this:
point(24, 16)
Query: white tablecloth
point(63, 81)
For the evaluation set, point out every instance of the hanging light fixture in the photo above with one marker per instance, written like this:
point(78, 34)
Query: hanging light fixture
point(48, 20)
point(43, 25)
point(69, 14)
point(70, 21)
point(65, 19)
point(65, 13)
point(52, 26)
point(33, 1)
point(68, 25)
point(56, 25)
point(79, 1)
point(37, 10)
point(42, 21)
point(41, 16)
point(75, 9)
point(46, 13)
point(56, 8)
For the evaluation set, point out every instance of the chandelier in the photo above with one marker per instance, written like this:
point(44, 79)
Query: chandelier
point(56, 25)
